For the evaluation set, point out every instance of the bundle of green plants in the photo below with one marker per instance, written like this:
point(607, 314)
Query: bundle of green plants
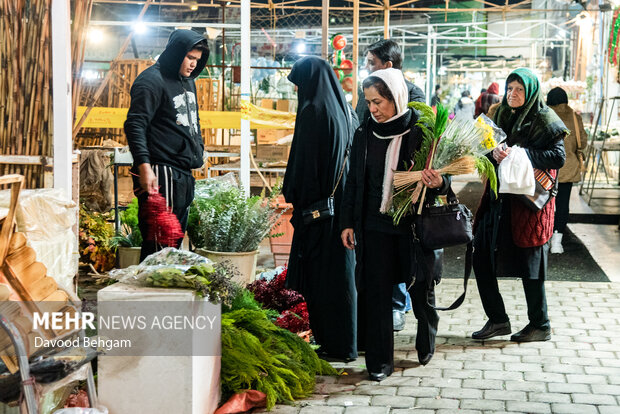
point(129, 234)
point(96, 231)
point(258, 355)
point(224, 220)
point(213, 282)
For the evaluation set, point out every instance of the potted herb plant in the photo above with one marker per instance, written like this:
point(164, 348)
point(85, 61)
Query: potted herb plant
point(226, 225)
point(129, 239)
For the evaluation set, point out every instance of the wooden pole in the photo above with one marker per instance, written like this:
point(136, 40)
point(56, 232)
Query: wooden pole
point(386, 19)
point(325, 29)
point(355, 52)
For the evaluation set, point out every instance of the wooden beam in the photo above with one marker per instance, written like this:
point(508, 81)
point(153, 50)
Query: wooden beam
point(403, 3)
point(325, 29)
point(394, 7)
point(386, 19)
point(25, 160)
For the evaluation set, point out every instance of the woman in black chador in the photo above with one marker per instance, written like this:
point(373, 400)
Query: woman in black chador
point(386, 142)
point(320, 268)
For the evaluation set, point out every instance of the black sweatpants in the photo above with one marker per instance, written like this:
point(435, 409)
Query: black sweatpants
point(386, 257)
point(178, 189)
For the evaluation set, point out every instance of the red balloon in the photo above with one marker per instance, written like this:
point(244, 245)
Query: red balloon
point(347, 83)
point(346, 66)
point(339, 42)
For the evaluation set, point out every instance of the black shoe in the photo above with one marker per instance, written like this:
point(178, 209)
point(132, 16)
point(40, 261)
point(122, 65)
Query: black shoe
point(333, 358)
point(425, 359)
point(377, 376)
point(531, 334)
point(491, 329)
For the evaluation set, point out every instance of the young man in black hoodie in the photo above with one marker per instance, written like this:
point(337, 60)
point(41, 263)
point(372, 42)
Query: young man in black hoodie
point(163, 128)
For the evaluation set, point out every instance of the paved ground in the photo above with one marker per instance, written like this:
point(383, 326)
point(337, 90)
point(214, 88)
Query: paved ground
point(578, 371)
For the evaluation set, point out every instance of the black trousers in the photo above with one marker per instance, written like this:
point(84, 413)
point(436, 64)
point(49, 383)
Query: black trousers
point(562, 201)
point(178, 190)
point(492, 300)
point(386, 257)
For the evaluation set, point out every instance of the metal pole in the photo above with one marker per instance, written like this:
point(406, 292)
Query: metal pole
point(325, 29)
point(24, 366)
point(434, 66)
point(356, 24)
point(61, 84)
point(428, 63)
point(117, 219)
point(245, 96)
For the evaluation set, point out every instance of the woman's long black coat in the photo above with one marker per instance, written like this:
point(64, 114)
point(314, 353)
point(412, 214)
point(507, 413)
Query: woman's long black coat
point(353, 207)
point(320, 268)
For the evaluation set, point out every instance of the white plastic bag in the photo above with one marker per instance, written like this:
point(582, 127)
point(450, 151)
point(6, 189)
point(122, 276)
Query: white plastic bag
point(515, 173)
point(168, 257)
point(47, 217)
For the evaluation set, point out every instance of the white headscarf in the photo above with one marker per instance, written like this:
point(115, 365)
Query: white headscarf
point(395, 82)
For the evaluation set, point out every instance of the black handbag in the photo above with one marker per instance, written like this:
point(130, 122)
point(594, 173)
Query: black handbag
point(444, 226)
point(546, 189)
point(319, 211)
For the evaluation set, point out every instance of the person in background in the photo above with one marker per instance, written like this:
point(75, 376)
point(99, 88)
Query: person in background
point(437, 97)
point(510, 240)
point(465, 106)
point(385, 254)
point(488, 98)
point(382, 55)
point(479, 102)
point(386, 54)
point(163, 129)
point(320, 268)
point(574, 143)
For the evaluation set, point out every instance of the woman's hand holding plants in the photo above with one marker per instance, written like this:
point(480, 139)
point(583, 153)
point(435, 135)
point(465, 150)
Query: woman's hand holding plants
point(431, 178)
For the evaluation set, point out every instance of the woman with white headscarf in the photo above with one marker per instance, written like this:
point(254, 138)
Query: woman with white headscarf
point(386, 142)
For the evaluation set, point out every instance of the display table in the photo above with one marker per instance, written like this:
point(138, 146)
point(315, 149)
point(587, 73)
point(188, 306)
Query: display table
point(157, 384)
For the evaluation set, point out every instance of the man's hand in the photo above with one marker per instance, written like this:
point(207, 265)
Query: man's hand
point(348, 238)
point(148, 180)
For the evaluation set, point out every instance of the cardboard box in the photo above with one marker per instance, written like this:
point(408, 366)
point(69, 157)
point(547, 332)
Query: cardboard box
point(272, 152)
point(270, 136)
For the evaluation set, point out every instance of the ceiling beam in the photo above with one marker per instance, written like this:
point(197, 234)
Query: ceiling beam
point(507, 8)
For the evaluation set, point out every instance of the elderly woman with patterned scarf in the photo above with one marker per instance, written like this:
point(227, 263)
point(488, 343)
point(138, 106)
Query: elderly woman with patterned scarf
point(510, 239)
point(384, 143)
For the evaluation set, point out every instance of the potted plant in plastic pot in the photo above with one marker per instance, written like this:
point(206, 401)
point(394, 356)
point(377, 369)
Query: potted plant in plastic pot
point(129, 239)
point(226, 225)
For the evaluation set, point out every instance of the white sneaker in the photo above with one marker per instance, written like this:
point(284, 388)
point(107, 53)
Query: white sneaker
point(556, 243)
point(398, 319)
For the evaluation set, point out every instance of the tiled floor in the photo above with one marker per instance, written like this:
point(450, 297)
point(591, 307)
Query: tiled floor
point(578, 371)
